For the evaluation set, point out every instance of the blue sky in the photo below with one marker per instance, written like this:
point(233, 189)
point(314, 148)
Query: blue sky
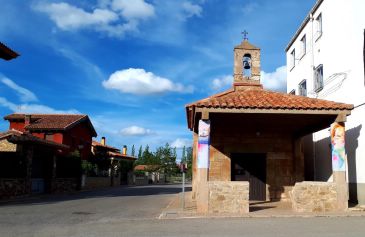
point(133, 65)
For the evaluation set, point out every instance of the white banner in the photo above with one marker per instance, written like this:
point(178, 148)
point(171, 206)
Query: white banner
point(203, 144)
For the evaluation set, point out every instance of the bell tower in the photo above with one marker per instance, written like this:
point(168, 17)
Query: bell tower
point(246, 64)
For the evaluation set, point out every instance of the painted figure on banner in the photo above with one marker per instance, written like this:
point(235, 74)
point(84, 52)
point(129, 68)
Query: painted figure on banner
point(203, 144)
point(338, 147)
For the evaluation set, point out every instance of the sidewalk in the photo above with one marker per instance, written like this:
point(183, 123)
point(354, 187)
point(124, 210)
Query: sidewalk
point(257, 210)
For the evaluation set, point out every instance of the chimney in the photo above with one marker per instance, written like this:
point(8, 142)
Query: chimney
point(103, 141)
point(124, 150)
point(27, 118)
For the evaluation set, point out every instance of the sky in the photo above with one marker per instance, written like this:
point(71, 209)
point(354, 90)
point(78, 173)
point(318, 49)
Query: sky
point(133, 65)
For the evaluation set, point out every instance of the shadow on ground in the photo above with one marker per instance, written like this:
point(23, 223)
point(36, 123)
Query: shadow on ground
point(105, 192)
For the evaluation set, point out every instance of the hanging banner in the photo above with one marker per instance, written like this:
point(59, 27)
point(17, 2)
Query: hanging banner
point(203, 144)
point(338, 147)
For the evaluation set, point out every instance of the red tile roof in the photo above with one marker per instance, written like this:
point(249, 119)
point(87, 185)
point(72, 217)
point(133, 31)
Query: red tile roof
point(6, 53)
point(52, 121)
point(119, 155)
point(146, 167)
point(254, 97)
point(16, 137)
point(264, 99)
point(98, 144)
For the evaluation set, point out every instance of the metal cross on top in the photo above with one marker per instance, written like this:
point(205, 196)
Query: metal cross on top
point(245, 33)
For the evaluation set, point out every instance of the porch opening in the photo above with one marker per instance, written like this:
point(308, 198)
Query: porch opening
point(250, 167)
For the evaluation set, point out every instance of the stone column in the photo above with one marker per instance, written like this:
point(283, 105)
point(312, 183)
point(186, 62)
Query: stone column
point(339, 163)
point(202, 198)
point(29, 150)
point(54, 173)
point(194, 165)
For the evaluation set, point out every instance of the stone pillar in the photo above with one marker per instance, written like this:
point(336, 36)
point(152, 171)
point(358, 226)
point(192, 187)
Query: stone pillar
point(203, 166)
point(29, 150)
point(339, 164)
point(53, 187)
point(194, 165)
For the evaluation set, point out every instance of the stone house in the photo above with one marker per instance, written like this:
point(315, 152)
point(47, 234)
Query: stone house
point(28, 164)
point(42, 153)
point(247, 141)
point(73, 130)
point(111, 165)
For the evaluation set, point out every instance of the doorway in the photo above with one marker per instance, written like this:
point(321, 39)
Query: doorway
point(250, 167)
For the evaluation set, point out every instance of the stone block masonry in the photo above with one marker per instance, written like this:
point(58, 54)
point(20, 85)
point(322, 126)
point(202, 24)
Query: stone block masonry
point(314, 197)
point(228, 197)
point(10, 188)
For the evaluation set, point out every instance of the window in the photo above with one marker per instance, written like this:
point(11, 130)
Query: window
point(318, 32)
point(48, 136)
point(303, 45)
point(318, 78)
point(292, 58)
point(292, 92)
point(302, 90)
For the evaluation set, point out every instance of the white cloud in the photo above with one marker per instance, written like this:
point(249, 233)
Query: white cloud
point(68, 17)
point(181, 142)
point(5, 103)
point(112, 17)
point(222, 82)
point(135, 131)
point(27, 96)
point(33, 108)
point(192, 9)
point(138, 81)
point(24, 94)
point(275, 80)
point(136, 9)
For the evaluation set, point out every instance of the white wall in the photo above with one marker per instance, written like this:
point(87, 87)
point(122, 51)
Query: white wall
point(340, 50)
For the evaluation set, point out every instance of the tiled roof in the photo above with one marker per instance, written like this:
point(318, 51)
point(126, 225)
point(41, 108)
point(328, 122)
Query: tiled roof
point(10, 133)
point(146, 167)
point(98, 144)
point(255, 98)
point(16, 136)
point(264, 99)
point(121, 156)
point(52, 121)
point(6, 53)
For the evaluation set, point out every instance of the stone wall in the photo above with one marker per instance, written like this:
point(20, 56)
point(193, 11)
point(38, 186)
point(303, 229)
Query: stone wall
point(12, 188)
point(97, 182)
point(7, 146)
point(64, 185)
point(228, 197)
point(314, 197)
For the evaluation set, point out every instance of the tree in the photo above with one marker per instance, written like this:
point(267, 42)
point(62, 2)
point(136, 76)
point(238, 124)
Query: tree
point(189, 161)
point(140, 152)
point(183, 155)
point(133, 151)
point(167, 157)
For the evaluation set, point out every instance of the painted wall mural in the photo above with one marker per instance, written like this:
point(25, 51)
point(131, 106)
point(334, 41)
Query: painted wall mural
point(203, 144)
point(338, 147)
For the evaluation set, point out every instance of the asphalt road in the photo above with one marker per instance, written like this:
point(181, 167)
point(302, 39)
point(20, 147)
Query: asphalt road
point(133, 211)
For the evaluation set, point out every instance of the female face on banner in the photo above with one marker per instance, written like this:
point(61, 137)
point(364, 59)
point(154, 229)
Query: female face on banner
point(338, 137)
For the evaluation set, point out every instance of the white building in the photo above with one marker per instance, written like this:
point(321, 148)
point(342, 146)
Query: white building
point(325, 60)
